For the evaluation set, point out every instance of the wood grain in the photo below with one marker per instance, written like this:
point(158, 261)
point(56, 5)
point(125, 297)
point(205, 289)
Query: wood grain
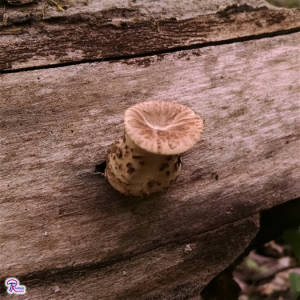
point(103, 31)
point(167, 272)
point(57, 124)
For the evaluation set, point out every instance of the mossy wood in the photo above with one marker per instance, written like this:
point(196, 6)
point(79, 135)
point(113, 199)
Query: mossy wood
point(65, 229)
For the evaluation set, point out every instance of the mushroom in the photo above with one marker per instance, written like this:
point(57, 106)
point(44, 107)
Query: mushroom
point(147, 159)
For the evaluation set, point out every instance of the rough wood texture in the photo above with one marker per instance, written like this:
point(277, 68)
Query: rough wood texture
point(58, 123)
point(167, 272)
point(103, 31)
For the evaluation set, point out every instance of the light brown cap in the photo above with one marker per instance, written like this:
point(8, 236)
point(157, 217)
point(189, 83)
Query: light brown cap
point(163, 127)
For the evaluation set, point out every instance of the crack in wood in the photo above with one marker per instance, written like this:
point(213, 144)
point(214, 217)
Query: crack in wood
point(100, 168)
point(167, 51)
point(269, 229)
point(47, 275)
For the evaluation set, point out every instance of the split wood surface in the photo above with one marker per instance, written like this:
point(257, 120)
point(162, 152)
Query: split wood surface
point(89, 30)
point(67, 234)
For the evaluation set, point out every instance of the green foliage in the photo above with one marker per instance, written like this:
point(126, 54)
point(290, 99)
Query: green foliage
point(251, 264)
point(292, 237)
point(294, 279)
point(285, 3)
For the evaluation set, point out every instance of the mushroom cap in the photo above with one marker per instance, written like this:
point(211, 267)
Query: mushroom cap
point(163, 127)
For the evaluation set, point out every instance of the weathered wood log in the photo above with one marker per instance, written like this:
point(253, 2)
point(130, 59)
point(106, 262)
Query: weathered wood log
point(86, 31)
point(59, 218)
point(173, 271)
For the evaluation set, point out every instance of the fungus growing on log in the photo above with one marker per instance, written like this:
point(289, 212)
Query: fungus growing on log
point(147, 159)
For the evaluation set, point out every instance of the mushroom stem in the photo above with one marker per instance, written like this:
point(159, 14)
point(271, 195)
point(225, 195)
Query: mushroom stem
point(134, 171)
